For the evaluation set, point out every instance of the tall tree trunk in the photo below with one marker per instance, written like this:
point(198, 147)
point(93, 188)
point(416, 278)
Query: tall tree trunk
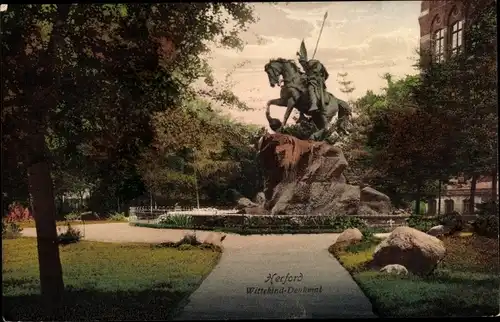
point(494, 182)
point(44, 210)
point(439, 198)
point(472, 202)
point(40, 182)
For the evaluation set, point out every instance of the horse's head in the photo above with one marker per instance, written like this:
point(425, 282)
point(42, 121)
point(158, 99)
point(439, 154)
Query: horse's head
point(280, 67)
point(273, 70)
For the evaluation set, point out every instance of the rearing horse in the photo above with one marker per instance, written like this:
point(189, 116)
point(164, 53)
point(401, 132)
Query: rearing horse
point(294, 94)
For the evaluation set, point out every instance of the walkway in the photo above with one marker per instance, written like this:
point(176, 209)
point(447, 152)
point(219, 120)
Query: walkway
point(317, 286)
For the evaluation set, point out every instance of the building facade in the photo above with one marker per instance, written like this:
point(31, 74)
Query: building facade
point(442, 26)
point(442, 34)
point(456, 196)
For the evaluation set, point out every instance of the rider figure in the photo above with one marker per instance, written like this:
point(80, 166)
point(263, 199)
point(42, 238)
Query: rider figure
point(316, 76)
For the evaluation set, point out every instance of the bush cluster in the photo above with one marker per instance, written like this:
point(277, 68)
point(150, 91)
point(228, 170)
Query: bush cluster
point(70, 236)
point(275, 223)
point(486, 223)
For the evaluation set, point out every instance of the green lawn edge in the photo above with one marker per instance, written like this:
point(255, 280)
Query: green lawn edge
point(181, 304)
point(173, 308)
point(484, 281)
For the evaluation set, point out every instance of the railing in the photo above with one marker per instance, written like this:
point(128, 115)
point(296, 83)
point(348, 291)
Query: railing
point(151, 214)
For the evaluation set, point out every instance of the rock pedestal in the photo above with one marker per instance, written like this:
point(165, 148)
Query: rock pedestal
point(305, 178)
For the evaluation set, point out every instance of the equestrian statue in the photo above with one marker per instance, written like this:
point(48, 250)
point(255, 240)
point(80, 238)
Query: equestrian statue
point(306, 91)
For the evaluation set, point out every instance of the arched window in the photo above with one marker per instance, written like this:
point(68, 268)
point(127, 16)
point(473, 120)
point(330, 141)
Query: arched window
point(438, 46)
point(449, 206)
point(457, 30)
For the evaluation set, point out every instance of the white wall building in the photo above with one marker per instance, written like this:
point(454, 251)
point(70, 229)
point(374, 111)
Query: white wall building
point(455, 196)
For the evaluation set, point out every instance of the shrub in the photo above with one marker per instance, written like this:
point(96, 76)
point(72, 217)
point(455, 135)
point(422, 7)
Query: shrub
point(189, 239)
point(17, 213)
point(187, 242)
point(264, 224)
point(346, 222)
point(72, 216)
point(118, 216)
point(422, 224)
point(71, 235)
point(486, 223)
point(317, 222)
point(488, 208)
point(176, 220)
point(453, 220)
point(10, 230)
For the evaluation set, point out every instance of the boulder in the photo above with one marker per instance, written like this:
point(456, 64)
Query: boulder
point(415, 250)
point(438, 231)
point(306, 177)
point(394, 269)
point(370, 194)
point(349, 236)
point(375, 200)
point(215, 239)
point(244, 203)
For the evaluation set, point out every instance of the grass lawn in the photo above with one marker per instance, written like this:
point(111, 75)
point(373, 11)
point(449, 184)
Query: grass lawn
point(465, 283)
point(105, 281)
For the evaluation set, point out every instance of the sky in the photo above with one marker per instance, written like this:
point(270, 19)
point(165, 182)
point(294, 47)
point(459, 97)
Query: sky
point(363, 38)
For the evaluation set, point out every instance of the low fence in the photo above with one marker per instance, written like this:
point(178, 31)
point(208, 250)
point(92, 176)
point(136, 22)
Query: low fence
point(209, 217)
point(151, 214)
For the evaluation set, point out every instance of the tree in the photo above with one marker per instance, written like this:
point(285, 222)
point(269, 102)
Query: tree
point(198, 149)
point(463, 90)
point(377, 152)
point(347, 86)
point(91, 65)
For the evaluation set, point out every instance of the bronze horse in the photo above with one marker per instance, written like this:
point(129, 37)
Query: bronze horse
point(294, 94)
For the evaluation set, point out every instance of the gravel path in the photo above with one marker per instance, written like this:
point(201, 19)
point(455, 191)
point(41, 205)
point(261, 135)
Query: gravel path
point(317, 285)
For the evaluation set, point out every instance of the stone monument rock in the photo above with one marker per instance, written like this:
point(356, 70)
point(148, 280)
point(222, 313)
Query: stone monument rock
point(304, 177)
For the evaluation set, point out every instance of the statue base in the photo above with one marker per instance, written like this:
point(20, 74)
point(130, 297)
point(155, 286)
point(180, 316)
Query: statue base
point(304, 177)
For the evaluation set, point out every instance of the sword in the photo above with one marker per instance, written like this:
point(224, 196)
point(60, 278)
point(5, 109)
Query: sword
point(320, 31)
